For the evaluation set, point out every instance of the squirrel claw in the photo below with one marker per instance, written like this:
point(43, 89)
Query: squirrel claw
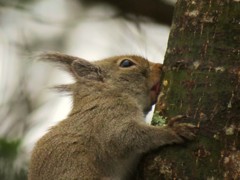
point(176, 119)
point(184, 130)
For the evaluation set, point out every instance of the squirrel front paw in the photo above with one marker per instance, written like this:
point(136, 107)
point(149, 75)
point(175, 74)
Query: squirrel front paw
point(183, 130)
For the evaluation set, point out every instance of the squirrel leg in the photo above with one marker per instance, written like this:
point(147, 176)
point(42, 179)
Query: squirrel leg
point(146, 137)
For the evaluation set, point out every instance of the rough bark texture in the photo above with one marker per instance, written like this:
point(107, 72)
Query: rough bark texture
point(202, 81)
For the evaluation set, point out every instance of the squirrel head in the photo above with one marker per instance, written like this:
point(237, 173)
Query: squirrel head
point(130, 75)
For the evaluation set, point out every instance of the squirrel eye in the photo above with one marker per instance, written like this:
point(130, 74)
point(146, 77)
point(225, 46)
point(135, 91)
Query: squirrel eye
point(126, 63)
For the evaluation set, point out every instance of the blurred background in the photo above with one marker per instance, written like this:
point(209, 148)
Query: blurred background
point(90, 29)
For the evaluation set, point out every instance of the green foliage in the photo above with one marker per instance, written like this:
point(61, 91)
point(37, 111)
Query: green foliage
point(158, 120)
point(14, 3)
point(9, 149)
point(8, 153)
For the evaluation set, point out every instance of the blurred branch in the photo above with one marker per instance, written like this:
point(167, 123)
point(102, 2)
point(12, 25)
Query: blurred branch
point(17, 4)
point(157, 10)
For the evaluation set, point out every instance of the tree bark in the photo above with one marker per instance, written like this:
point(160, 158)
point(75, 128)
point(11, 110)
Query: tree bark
point(202, 81)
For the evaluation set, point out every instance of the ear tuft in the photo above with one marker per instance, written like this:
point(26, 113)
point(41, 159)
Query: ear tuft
point(79, 68)
point(63, 88)
point(62, 60)
point(57, 58)
point(87, 70)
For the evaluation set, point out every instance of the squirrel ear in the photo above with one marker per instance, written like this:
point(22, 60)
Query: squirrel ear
point(84, 69)
point(78, 67)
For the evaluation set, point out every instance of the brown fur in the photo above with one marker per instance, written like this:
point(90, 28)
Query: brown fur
point(104, 135)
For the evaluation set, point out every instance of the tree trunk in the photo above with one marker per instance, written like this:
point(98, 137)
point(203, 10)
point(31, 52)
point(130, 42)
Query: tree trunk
point(202, 81)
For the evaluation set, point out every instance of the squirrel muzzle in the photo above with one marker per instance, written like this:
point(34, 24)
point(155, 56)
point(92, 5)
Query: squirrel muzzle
point(155, 77)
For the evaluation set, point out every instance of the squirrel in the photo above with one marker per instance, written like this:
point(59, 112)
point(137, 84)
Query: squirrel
point(105, 134)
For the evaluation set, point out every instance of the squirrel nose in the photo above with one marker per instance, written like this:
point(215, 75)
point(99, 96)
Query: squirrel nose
point(157, 66)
